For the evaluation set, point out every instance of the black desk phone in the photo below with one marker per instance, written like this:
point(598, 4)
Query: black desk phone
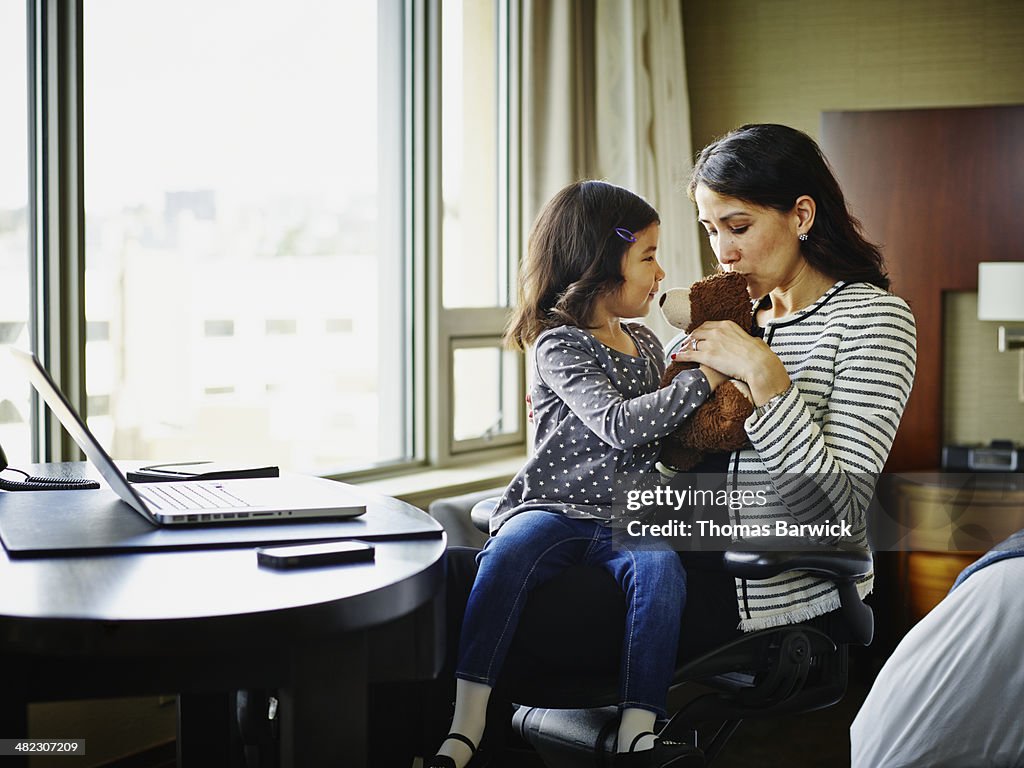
point(32, 483)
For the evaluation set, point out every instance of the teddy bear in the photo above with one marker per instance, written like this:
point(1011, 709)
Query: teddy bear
point(717, 425)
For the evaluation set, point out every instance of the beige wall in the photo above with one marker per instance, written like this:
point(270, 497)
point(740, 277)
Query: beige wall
point(981, 401)
point(787, 61)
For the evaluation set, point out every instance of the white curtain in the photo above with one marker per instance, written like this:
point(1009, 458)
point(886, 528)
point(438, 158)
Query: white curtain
point(604, 96)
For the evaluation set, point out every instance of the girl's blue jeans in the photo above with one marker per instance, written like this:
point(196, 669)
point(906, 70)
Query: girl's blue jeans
point(533, 547)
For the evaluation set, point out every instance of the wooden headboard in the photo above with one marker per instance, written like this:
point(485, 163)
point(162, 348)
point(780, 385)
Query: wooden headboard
point(940, 190)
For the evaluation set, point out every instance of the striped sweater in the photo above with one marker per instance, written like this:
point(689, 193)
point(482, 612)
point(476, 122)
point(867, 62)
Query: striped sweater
point(851, 356)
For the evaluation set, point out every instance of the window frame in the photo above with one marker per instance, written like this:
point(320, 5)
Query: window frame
point(57, 214)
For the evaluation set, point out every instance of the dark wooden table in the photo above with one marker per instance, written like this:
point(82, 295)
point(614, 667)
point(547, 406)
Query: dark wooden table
point(202, 624)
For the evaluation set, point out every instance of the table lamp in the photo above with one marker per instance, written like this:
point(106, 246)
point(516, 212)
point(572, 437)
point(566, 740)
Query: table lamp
point(1001, 298)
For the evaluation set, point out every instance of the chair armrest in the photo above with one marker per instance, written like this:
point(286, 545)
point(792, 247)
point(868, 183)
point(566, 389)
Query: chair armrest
point(841, 565)
point(482, 511)
point(835, 563)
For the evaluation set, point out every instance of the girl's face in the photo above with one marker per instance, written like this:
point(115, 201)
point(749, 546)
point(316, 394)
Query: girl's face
point(760, 243)
point(642, 275)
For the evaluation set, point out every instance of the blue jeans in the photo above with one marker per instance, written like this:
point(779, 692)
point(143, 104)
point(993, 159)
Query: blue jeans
point(535, 546)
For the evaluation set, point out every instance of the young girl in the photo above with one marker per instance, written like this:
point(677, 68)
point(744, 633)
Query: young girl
point(598, 411)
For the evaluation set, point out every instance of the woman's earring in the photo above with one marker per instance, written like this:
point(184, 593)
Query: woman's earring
point(802, 237)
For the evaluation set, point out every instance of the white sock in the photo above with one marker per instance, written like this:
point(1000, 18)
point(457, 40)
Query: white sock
point(470, 718)
point(632, 722)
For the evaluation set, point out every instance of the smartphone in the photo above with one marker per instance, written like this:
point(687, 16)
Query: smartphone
point(309, 555)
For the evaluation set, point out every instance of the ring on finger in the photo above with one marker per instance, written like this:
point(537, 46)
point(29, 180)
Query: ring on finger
point(693, 345)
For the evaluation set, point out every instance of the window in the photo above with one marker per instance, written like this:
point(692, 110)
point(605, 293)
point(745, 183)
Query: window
point(284, 232)
point(477, 112)
point(15, 292)
point(240, 190)
point(473, 113)
point(485, 391)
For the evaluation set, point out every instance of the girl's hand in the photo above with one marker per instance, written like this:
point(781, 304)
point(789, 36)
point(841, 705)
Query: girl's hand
point(714, 377)
point(529, 409)
point(725, 347)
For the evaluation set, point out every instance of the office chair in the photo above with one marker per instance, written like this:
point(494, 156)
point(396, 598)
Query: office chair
point(570, 720)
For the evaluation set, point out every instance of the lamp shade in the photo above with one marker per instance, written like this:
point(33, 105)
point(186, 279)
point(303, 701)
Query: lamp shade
point(1001, 290)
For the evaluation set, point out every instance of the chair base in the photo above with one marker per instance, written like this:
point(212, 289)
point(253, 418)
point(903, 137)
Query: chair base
point(578, 738)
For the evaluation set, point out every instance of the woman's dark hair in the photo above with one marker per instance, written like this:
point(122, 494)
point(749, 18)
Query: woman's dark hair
point(773, 165)
point(574, 255)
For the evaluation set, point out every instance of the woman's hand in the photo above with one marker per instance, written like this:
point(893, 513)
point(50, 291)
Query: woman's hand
point(724, 346)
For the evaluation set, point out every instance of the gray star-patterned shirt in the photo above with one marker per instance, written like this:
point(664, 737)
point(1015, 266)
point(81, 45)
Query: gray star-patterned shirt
point(599, 415)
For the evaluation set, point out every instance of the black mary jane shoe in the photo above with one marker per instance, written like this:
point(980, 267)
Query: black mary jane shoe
point(443, 761)
point(664, 754)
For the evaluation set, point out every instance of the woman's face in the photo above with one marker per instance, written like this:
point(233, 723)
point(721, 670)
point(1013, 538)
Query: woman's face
point(642, 275)
point(760, 243)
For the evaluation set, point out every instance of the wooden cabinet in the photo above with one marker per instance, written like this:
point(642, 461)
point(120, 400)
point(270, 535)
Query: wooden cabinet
point(944, 522)
point(928, 577)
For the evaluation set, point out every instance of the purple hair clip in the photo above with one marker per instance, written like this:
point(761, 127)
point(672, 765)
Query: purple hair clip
point(625, 234)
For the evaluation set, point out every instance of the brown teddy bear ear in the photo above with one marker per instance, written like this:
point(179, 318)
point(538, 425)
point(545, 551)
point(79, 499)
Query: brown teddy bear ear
point(675, 307)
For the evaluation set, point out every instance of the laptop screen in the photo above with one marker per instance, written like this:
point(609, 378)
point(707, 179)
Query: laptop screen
point(76, 427)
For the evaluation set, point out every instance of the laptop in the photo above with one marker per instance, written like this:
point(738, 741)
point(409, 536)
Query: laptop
point(292, 497)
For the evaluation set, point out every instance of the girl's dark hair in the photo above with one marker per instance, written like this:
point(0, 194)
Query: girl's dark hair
point(574, 256)
point(773, 165)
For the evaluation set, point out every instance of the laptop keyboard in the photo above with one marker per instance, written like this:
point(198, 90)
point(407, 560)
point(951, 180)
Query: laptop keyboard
point(189, 496)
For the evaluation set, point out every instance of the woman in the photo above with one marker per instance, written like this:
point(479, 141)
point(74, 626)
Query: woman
point(831, 360)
